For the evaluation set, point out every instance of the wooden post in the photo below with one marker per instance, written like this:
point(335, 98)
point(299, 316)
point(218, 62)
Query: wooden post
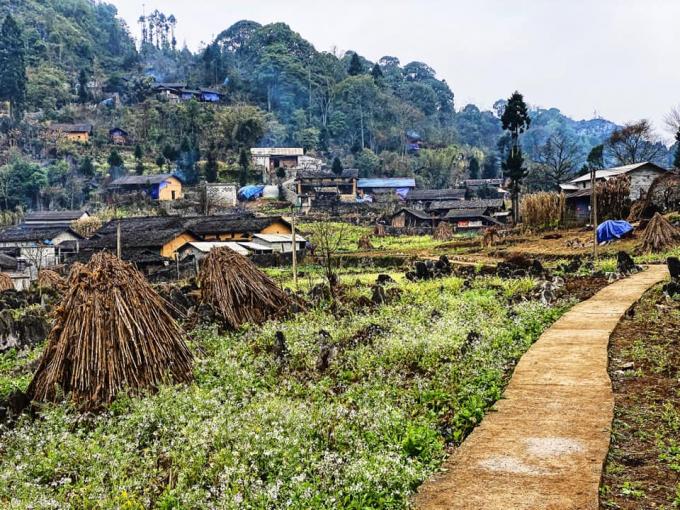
point(118, 245)
point(295, 279)
point(177, 263)
point(593, 210)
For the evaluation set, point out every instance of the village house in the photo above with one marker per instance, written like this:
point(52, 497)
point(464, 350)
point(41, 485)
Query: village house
point(18, 269)
point(79, 133)
point(235, 228)
point(489, 206)
point(326, 185)
point(41, 246)
point(422, 198)
point(269, 159)
point(470, 219)
point(158, 186)
point(410, 218)
point(641, 177)
point(382, 189)
point(118, 136)
point(54, 218)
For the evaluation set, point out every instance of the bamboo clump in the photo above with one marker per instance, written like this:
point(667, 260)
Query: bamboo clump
point(112, 332)
point(238, 291)
point(659, 235)
point(5, 282)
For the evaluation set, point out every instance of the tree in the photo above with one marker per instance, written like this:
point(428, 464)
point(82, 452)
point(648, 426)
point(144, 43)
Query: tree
point(490, 168)
point(139, 160)
point(377, 74)
point(355, 66)
point(473, 168)
point(243, 163)
point(115, 162)
point(87, 167)
point(83, 93)
point(557, 158)
point(515, 120)
point(13, 67)
point(676, 160)
point(160, 162)
point(337, 166)
point(634, 143)
point(596, 158)
point(211, 165)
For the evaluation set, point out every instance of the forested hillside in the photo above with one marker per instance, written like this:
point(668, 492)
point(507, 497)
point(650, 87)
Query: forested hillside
point(79, 63)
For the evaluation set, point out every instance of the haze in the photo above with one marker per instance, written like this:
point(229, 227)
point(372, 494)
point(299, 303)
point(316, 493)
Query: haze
point(614, 58)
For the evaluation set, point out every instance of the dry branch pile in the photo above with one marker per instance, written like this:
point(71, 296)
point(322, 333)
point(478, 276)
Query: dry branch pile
point(238, 291)
point(659, 235)
point(443, 232)
point(111, 332)
point(542, 210)
point(48, 279)
point(5, 282)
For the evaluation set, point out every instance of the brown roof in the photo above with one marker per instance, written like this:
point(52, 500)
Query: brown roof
point(436, 194)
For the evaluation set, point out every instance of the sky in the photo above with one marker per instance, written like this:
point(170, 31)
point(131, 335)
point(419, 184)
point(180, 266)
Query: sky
point(618, 59)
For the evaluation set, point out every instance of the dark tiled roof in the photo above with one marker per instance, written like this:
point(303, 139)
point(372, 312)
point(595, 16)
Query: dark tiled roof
point(27, 233)
point(436, 194)
point(580, 193)
point(54, 216)
point(227, 224)
point(72, 128)
point(468, 204)
point(464, 213)
point(347, 173)
point(141, 180)
point(118, 130)
point(414, 212)
point(483, 182)
point(7, 262)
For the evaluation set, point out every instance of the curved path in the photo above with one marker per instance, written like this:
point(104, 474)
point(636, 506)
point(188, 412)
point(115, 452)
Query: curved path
point(544, 444)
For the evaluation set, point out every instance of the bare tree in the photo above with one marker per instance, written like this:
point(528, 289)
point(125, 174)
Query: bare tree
point(672, 120)
point(557, 158)
point(328, 238)
point(634, 143)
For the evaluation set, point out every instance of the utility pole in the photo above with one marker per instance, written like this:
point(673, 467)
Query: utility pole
point(593, 209)
point(294, 253)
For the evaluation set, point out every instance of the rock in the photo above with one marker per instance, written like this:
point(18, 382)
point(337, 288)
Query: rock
point(628, 366)
point(672, 289)
point(673, 264)
point(280, 347)
point(384, 278)
point(327, 352)
point(625, 263)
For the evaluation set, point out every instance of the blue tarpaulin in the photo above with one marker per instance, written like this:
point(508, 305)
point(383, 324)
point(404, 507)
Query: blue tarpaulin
point(250, 192)
point(613, 229)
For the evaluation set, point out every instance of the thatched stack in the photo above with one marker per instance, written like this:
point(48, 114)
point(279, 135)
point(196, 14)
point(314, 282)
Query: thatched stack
point(543, 210)
point(443, 232)
point(659, 235)
point(5, 282)
point(48, 279)
point(238, 291)
point(365, 243)
point(111, 332)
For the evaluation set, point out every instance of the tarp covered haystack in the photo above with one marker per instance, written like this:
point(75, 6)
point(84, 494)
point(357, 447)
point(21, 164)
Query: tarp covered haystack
point(48, 279)
point(659, 235)
point(613, 229)
point(238, 291)
point(5, 282)
point(112, 332)
point(443, 232)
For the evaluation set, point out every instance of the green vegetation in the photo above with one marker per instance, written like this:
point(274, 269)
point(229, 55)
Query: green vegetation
point(260, 431)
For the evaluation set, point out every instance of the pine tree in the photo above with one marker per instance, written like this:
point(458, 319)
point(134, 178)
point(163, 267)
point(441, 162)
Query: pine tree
point(211, 165)
point(115, 162)
point(323, 139)
point(474, 168)
point(516, 121)
point(596, 157)
point(83, 93)
point(490, 168)
point(86, 167)
point(244, 163)
point(139, 160)
point(355, 67)
point(337, 166)
point(676, 161)
point(12, 67)
point(377, 74)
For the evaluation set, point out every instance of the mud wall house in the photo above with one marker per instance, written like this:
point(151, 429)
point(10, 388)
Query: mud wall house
point(409, 218)
point(79, 133)
point(118, 136)
point(269, 159)
point(236, 227)
point(385, 189)
point(470, 219)
point(160, 187)
point(170, 92)
point(316, 183)
point(41, 246)
point(641, 176)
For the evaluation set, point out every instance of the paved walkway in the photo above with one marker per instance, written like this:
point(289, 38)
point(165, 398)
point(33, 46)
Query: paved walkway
point(544, 445)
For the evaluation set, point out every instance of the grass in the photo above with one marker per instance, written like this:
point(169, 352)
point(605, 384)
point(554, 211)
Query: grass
point(255, 431)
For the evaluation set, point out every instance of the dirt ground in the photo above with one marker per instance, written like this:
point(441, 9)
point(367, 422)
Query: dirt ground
point(643, 465)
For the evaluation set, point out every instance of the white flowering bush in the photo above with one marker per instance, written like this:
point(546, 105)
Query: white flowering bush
point(259, 431)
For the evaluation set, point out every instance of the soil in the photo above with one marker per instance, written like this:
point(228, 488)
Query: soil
point(644, 364)
point(584, 287)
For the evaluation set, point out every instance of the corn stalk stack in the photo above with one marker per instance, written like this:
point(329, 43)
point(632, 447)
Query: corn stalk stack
point(48, 279)
point(112, 332)
point(5, 282)
point(659, 235)
point(234, 288)
point(443, 232)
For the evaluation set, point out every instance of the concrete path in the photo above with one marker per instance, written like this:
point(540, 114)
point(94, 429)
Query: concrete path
point(545, 443)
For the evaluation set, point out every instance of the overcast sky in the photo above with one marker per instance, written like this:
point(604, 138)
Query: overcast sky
point(619, 59)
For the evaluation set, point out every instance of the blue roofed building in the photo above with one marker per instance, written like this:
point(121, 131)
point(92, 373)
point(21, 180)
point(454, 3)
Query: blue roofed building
point(377, 189)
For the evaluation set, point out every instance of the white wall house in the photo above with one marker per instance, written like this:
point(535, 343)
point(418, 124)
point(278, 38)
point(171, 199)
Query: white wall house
point(641, 177)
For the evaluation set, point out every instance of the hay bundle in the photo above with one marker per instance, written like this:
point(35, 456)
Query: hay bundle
point(379, 230)
point(111, 332)
point(5, 282)
point(364, 243)
point(491, 236)
point(238, 291)
point(659, 235)
point(48, 279)
point(543, 210)
point(443, 232)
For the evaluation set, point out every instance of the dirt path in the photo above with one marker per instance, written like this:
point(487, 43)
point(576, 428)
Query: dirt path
point(544, 445)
